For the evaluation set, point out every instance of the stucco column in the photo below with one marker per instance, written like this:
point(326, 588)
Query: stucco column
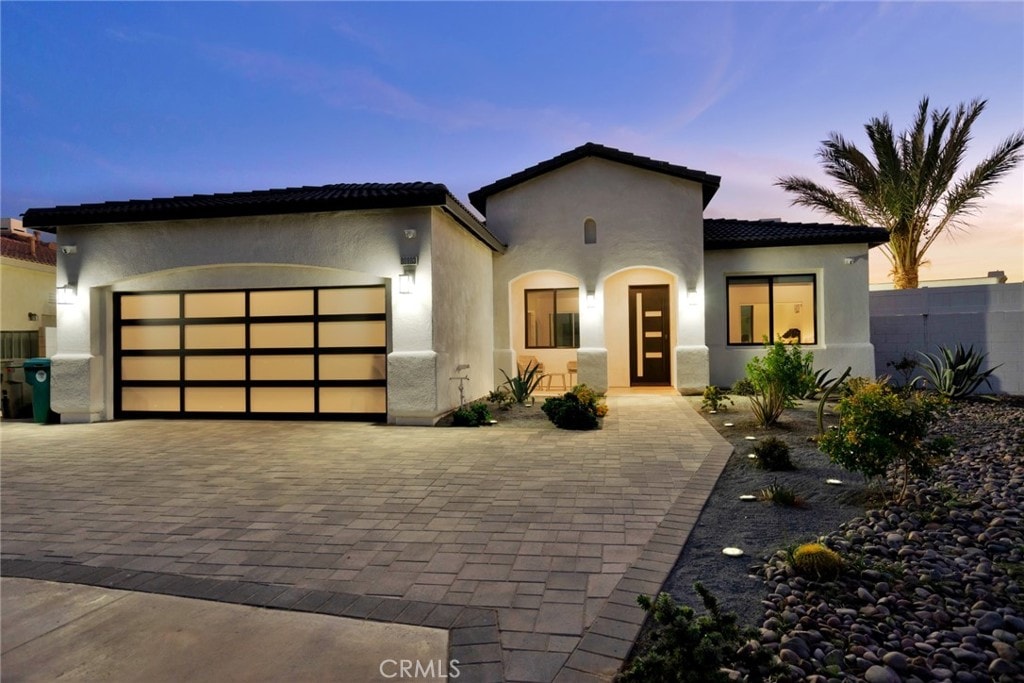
point(76, 390)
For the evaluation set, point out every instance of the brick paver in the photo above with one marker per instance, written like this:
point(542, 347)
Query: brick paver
point(551, 532)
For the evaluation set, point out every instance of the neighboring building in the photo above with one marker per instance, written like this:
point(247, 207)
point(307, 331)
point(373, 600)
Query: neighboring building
point(369, 301)
point(28, 268)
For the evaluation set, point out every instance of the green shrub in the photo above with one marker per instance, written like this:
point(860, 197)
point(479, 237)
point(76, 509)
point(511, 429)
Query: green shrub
point(773, 454)
point(525, 382)
point(714, 399)
point(905, 366)
point(501, 397)
point(954, 372)
point(742, 387)
point(782, 375)
point(686, 648)
point(577, 409)
point(472, 415)
point(817, 561)
point(880, 429)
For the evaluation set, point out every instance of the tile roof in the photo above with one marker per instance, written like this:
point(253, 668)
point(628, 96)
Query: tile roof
point(21, 248)
point(709, 182)
point(733, 233)
point(289, 200)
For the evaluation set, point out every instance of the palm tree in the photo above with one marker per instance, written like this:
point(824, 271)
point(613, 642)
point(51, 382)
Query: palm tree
point(909, 188)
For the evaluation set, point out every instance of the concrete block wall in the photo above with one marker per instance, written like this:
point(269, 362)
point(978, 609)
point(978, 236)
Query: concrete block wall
point(989, 317)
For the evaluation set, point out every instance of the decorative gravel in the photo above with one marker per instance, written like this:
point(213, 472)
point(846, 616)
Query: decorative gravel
point(932, 588)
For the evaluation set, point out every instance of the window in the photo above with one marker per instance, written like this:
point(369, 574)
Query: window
point(552, 318)
point(19, 344)
point(779, 306)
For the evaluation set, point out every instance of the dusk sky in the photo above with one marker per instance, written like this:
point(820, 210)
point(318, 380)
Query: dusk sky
point(111, 101)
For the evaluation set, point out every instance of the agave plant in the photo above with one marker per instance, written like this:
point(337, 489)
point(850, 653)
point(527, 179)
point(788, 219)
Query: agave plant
point(954, 372)
point(525, 382)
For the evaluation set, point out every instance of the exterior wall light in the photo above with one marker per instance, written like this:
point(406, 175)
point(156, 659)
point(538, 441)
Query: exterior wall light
point(407, 279)
point(591, 299)
point(67, 295)
point(691, 296)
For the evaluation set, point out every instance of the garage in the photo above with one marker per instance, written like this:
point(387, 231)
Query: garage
point(295, 353)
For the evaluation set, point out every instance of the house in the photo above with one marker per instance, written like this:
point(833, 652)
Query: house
point(28, 272)
point(373, 301)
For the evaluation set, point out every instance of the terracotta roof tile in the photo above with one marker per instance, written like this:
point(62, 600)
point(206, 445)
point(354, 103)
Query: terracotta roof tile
point(733, 233)
point(21, 249)
point(709, 182)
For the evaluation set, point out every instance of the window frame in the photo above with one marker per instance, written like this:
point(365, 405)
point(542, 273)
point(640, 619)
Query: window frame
point(554, 308)
point(771, 278)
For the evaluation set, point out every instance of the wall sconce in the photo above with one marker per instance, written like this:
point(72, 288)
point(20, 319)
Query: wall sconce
point(407, 279)
point(67, 294)
point(69, 250)
point(33, 316)
point(591, 299)
point(410, 233)
point(691, 296)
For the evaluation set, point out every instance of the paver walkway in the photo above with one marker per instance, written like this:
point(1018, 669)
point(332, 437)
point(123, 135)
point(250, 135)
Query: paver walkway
point(555, 532)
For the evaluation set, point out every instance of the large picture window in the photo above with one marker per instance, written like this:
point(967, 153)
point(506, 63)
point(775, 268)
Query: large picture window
point(772, 307)
point(553, 318)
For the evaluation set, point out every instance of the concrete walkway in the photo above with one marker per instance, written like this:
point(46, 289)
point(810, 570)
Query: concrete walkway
point(528, 543)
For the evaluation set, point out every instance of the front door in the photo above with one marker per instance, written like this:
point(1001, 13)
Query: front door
point(649, 327)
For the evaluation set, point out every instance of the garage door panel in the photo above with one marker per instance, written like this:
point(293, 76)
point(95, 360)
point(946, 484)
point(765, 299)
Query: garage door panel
point(295, 353)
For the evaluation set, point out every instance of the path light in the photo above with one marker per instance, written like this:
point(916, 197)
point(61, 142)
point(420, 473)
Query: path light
point(746, 497)
point(732, 552)
point(750, 438)
point(728, 424)
point(752, 456)
point(834, 482)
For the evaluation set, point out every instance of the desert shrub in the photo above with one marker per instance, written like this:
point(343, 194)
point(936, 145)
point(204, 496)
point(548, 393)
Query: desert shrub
point(714, 399)
point(783, 374)
point(881, 429)
point(816, 561)
point(781, 495)
point(472, 415)
point(905, 366)
point(501, 397)
point(954, 373)
point(577, 409)
point(686, 648)
point(524, 383)
point(742, 387)
point(773, 454)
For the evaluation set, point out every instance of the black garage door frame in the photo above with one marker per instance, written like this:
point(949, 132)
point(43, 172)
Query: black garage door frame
point(181, 353)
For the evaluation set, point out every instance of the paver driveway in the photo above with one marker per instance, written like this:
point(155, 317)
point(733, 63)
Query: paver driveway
point(555, 531)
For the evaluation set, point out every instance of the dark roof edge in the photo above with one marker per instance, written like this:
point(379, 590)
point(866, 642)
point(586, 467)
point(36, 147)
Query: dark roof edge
point(454, 208)
point(709, 183)
point(720, 245)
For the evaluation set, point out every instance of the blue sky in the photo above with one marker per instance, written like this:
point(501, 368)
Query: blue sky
point(107, 101)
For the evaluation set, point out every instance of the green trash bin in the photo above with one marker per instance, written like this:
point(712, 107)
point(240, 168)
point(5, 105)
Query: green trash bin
point(37, 374)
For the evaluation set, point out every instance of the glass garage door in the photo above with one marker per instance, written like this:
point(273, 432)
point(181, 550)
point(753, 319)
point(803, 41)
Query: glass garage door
point(263, 353)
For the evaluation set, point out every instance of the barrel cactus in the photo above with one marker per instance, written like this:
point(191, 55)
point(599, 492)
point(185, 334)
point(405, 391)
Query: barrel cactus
point(817, 561)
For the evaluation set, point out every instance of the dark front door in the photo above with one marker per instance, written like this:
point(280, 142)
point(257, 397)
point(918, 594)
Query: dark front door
point(649, 327)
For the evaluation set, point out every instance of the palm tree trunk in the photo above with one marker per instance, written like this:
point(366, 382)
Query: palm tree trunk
point(904, 278)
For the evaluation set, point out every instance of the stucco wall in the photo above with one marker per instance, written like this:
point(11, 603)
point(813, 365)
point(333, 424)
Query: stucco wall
point(843, 337)
point(25, 287)
point(644, 219)
point(989, 317)
point(324, 248)
point(462, 318)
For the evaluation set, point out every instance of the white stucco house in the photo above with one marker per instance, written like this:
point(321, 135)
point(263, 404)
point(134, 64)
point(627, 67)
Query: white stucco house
point(369, 301)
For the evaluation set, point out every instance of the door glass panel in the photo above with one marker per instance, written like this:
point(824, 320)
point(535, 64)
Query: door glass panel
point(139, 306)
point(215, 305)
point(282, 302)
point(215, 399)
point(150, 368)
point(281, 399)
point(354, 333)
point(353, 399)
point(282, 367)
point(151, 337)
point(281, 335)
point(352, 366)
point(151, 399)
point(354, 300)
point(215, 336)
point(215, 367)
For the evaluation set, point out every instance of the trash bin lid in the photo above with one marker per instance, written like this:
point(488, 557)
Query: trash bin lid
point(35, 363)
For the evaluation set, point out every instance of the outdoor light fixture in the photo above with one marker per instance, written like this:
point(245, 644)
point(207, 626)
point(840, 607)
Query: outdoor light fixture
point(691, 296)
point(591, 299)
point(410, 233)
point(67, 294)
point(407, 279)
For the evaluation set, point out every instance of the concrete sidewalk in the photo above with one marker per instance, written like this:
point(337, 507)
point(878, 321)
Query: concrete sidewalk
point(71, 632)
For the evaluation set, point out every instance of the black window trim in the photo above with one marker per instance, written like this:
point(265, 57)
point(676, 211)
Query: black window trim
point(770, 278)
point(526, 322)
